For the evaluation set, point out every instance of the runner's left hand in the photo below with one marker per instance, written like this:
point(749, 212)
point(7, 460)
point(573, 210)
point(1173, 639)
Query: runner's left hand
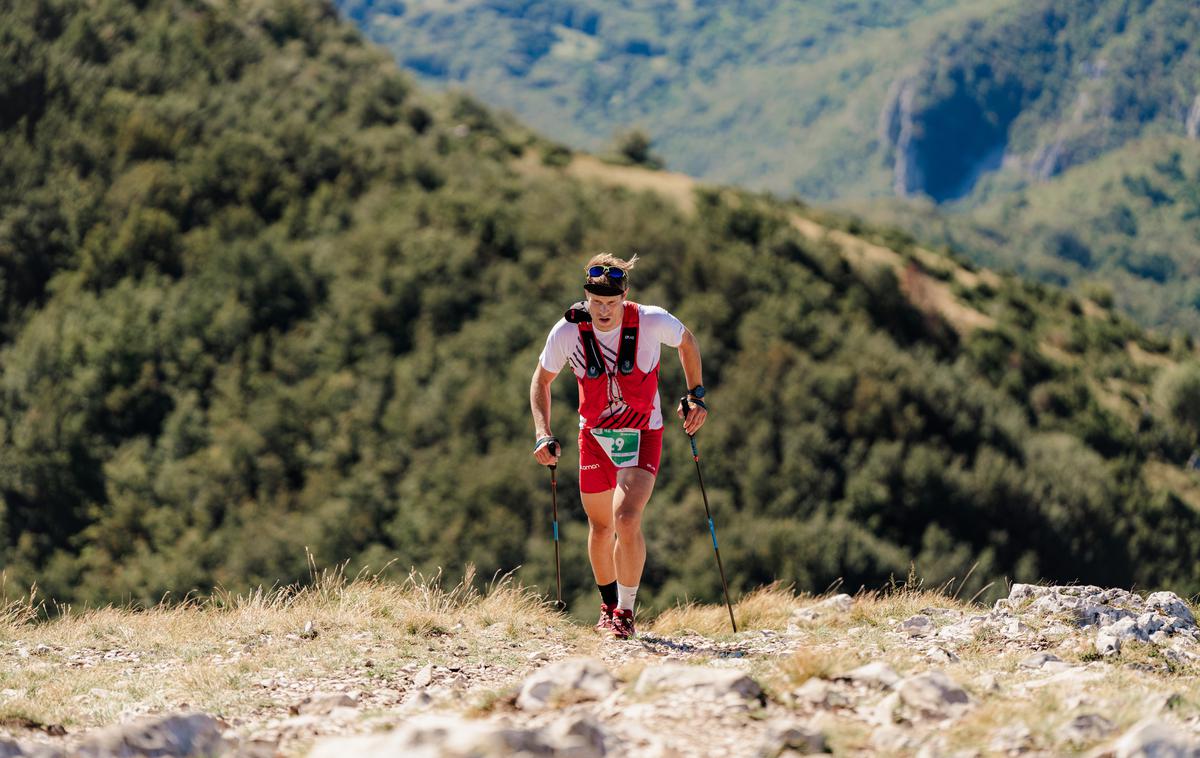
point(695, 417)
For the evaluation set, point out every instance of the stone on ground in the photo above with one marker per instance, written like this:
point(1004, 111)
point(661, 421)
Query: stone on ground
point(572, 680)
point(698, 681)
point(933, 695)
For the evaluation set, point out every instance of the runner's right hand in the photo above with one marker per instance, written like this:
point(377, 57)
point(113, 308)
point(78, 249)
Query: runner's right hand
point(547, 451)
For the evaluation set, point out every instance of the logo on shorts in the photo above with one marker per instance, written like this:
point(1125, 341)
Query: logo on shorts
point(589, 467)
point(650, 467)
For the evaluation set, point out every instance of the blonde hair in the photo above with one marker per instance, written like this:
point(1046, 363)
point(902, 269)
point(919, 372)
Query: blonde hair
point(608, 259)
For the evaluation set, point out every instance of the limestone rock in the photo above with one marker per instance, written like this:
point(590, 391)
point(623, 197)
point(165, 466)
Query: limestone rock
point(578, 737)
point(1086, 728)
point(829, 606)
point(839, 603)
point(785, 738)
point(442, 737)
point(933, 695)
point(697, 680)
point(424, 677)
point(1011, 740)
point(1171, 605)
point(572, 680)
point(890, 740)
point(322, 704)
point(177, 735)
point(1151, 739)
point(873, 674)
point(822, 694)
point(917, 626)
point(1127, 629)
point(1107, 643)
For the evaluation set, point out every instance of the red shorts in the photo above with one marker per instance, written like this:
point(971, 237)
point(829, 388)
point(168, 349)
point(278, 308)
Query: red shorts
point(597, 472)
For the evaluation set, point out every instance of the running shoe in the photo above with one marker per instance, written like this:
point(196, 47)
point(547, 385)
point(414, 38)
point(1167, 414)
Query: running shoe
point(605, 624)
point(622, 624)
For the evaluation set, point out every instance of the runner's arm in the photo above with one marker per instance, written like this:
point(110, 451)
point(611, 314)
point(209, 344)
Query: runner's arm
point(693, 374)
point(539, 403)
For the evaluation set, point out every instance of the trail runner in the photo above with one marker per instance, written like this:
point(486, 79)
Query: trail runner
point(612, 345)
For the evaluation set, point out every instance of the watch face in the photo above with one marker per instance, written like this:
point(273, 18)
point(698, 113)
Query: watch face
point(698, 391)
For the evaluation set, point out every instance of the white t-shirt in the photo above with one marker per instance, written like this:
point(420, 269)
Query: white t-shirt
point(656, 327)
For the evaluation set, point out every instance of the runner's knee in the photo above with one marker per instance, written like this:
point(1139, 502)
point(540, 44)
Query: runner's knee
point(628, 521)
point(599, 528)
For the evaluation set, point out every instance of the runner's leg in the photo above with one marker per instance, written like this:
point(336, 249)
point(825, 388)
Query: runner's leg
point(599, 509)
point(634, 486)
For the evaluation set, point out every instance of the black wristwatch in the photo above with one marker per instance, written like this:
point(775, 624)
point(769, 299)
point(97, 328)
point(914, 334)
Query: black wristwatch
point(697, 392)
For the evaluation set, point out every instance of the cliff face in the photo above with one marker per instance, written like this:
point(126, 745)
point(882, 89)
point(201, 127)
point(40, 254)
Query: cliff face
point(1041, 88)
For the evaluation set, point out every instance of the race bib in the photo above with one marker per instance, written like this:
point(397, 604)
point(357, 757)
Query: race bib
point(620, 445)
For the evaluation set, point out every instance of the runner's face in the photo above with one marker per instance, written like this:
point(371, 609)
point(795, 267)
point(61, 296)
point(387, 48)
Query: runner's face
point(605, 310)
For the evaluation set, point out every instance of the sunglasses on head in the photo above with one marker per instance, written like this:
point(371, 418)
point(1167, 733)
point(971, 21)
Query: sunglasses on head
point(598, 271)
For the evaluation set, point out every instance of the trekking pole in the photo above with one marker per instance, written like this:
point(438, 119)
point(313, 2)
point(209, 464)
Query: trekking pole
point(554, 499)
point(712, 530)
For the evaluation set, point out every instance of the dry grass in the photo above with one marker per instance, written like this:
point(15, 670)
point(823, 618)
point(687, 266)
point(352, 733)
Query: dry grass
point(767, 607)
point(210, 653)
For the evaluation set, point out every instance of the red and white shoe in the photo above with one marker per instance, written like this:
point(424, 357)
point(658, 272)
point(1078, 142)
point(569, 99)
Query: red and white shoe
point(622, 624)
point(605, 624)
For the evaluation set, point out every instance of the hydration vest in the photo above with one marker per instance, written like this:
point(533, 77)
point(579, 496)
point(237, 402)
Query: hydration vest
point(638, 388)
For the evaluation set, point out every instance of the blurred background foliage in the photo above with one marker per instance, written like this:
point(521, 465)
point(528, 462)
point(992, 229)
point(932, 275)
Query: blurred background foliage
point(260, 294)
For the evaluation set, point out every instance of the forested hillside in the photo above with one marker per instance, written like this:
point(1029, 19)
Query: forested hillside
point(262, 295)
point(800, 87)
point(980, 111)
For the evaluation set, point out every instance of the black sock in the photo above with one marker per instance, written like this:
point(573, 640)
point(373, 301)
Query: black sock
point(608, 594)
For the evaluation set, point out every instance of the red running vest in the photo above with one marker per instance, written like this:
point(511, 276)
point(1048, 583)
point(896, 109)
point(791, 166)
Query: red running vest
point(638, 387)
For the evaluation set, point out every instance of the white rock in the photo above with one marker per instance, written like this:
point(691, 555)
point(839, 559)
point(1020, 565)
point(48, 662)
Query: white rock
point(697, 680)
point(1012, 739)
point(1127, 629)
point(917, 626)
point(424, 677)
point(821, 693)
point(323, 703)
point(933, 695)
point(572, 680)
point(839, 603)
point(939, 654)
point(885, 710)
point(873, 674)
point(1156, 739)
point(889, 740)
point(439, 737)
point(791, 739)
point(1107, 643)
point(190, 734)
point(1171, 605)
point(1086, 728)
point(1015, 628)
point(578, 737)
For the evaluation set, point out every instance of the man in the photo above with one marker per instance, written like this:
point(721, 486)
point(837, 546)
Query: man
point(613, 345)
